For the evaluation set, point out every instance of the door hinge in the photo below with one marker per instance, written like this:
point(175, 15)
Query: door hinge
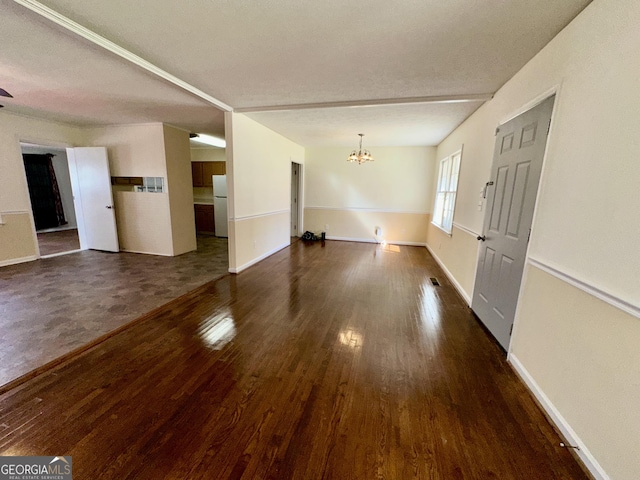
point(549, 127)
point(529, 236)
point(511, 330)
point(497, 131)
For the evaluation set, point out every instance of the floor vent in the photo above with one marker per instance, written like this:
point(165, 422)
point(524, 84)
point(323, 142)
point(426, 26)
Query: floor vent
point(435, 281)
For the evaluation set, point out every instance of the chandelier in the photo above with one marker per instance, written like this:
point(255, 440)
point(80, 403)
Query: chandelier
point(361, 156)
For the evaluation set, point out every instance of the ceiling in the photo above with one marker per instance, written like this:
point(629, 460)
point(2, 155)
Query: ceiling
point(255, 56)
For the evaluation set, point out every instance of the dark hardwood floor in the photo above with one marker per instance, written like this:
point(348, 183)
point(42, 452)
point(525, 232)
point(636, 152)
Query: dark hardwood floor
point(54, 306)
point(339, 361)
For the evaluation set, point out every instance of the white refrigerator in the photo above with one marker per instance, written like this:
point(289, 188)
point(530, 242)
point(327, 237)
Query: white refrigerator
point(220, 205)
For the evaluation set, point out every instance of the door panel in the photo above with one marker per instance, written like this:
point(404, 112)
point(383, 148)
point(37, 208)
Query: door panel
point(496, 210)
point(517, 163)
point(91, 183)
point(516, 208)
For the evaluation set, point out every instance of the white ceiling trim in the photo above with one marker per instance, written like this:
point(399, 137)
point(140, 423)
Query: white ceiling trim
point(99, 40)
point(483, 97)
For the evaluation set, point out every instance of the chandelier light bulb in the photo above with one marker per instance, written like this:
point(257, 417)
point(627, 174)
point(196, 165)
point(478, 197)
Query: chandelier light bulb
point(361, 155)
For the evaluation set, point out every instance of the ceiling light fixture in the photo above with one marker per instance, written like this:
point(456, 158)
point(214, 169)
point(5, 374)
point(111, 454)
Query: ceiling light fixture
point(208, 140)
point(4, 93)
point(361, 156)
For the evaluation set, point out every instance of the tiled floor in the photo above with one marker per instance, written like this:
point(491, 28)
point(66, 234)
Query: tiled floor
point(58, 242)
point(52, 306)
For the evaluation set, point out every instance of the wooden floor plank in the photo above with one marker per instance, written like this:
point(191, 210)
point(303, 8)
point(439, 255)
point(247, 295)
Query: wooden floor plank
point(339, 361)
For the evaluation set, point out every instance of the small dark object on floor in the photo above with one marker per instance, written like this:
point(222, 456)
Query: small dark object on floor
point(310, 236)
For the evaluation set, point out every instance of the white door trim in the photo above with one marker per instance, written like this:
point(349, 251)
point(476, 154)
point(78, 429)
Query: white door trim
point(300, 194)
point(41, 143)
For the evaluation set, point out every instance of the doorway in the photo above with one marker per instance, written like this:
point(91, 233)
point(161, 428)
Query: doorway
point(50, 191)
point(296, 188)
point(511, 197)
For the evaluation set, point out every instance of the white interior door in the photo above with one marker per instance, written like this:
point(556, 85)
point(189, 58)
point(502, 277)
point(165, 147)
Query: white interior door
point(93, 198)
point(511, 197)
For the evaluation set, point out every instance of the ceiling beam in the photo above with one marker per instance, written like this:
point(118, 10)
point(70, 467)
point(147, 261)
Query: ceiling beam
point(483, 97)
point(99, 40)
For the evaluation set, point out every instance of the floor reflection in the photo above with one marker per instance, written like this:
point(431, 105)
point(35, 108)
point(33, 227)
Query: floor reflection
point(218, 330)
point(430, 310)
point(350, 338)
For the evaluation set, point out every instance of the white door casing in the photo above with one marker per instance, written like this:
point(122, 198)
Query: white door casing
point(511, 197)
point(295, 182)
point(93, 198)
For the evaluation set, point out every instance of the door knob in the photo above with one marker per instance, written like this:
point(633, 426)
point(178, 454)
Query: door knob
point(483, 238)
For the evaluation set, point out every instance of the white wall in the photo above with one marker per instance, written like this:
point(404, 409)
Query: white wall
point(259, 188)
point(394, 192)
point(585, 231)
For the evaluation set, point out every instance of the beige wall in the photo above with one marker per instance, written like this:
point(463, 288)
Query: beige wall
point(584, 355)
point(17, 234)
point(394, 193)
point(259, 189)
point(17, 241)
point(590, 174)
point(359, 225)
point(208, 154)
point(143, 219)
point(457, 254)
point(144, 223)
point(134, 150)
point(155, 223)
point(179, 185)
point(258, 237)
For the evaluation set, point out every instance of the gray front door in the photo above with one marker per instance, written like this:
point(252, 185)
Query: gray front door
point(511, 197)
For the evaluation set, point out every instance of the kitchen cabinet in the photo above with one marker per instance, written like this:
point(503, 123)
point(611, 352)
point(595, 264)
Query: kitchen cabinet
point(207, 172)
point(197, 174)
point(204, 219)
point(219, 168)
point(201, 172)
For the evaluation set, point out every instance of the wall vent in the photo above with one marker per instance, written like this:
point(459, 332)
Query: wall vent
point(435, 281)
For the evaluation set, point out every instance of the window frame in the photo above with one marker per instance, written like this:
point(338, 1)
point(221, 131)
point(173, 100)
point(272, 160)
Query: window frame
point(447, 182)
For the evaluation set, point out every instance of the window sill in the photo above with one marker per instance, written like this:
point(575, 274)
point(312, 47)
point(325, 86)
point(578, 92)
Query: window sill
point(450, 233)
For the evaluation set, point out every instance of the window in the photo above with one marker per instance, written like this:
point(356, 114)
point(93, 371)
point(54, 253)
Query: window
point(448, 174)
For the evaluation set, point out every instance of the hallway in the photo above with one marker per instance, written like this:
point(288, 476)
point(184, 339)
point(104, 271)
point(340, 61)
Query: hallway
point(337, 360)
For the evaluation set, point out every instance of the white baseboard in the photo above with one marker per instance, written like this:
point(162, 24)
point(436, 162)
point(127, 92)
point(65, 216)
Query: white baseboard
point(15, 261)
point(561, 423)
point(373, 240)
point(258, 259)
point(450, 276)
point(142, 252)
point(61, 253)
point(58, 229)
